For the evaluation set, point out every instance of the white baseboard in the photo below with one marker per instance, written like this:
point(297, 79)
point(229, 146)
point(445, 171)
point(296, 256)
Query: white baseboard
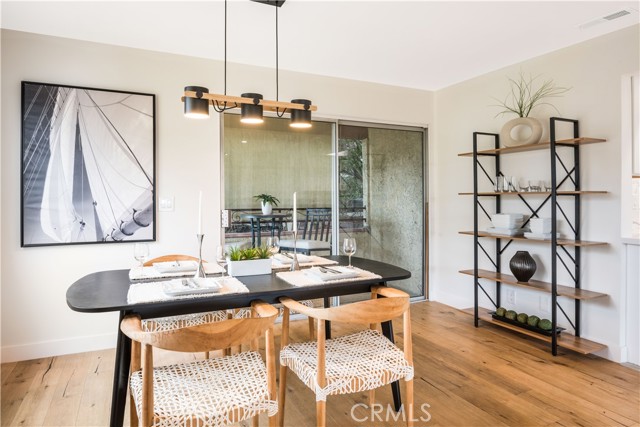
point(16, 353)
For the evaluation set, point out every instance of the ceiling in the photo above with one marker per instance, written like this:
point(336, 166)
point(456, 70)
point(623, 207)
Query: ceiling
point(419, 44)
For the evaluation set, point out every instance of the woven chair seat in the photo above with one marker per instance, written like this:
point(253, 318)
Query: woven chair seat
point(358, 362)
point(210, 392)
point(163, 324)
point(245, 313)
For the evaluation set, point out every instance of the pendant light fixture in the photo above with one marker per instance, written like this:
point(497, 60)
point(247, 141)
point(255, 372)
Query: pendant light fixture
point(197, 99)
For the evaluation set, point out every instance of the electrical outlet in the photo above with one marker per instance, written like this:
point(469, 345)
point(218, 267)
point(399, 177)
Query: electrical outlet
point(224, 218)
point(545, 304)
point(511, 297)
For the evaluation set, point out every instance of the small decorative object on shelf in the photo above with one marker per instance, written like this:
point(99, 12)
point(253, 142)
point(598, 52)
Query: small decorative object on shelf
point(521, 101)
point(522, 320)
point(523, 266)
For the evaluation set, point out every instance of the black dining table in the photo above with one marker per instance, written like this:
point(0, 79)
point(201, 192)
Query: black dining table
point(106, 291)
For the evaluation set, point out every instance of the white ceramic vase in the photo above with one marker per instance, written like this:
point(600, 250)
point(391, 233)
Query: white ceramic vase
point(266, 208)
point(512, 132)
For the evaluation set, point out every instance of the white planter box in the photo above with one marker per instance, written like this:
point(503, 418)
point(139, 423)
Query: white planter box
point(249, 267)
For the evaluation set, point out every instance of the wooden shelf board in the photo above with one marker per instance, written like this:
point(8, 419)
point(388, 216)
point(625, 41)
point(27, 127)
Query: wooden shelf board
point(561, 242)
point(565, 340)
point(563, 291)
point(535, 193)
point(533, 147)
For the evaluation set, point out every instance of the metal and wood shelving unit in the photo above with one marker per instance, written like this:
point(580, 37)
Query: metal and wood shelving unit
point(560, 248)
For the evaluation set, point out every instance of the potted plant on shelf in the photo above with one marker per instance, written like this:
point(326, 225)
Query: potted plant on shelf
point(249, 261)
point(522, 99)
point(267, 202)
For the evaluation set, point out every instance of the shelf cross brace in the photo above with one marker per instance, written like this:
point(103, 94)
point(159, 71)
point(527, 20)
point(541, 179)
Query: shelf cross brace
point(485, 292)
point(488, 256)
point(568, 254)
point(565, 217)
point(566, 268)
point(566, 170)
point(483, 209)
point(485, 172)
point(566, 316)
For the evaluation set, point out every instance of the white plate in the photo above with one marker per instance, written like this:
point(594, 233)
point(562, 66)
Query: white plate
point(331, 273)
point(191, 286)
point(175, 266)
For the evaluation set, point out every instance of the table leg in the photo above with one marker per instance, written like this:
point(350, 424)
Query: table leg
point(253, 233)
point(387, 331)
point(259, 233)
point(120, 377)
point(327, 324)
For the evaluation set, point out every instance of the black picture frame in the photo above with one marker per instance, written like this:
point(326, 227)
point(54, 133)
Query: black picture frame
point(88, 160)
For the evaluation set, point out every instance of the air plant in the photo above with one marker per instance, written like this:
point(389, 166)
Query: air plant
point(523, 98)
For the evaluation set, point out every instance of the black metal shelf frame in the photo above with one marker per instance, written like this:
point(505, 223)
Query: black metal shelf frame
point(572, 262)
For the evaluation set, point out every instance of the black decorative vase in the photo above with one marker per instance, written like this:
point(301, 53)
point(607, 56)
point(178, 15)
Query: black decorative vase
point(523, 266)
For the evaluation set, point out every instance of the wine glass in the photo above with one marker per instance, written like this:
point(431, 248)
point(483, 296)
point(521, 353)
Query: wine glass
point(273, 245)
point(349, 247)
point(141, 253)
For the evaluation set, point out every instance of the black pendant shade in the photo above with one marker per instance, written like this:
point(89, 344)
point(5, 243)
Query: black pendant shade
point(301, 118)
point(196, 108)
point(251, 113)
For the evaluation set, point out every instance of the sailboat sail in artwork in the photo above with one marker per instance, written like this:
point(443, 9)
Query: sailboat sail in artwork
point(99, 178)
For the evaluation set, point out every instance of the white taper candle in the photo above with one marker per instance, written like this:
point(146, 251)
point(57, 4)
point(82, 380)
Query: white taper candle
point(295, 213)
point(200, 213)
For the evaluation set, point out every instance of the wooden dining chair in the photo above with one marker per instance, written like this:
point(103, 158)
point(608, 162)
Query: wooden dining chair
point(210, 392)
point(162, 324)
point(357, 362)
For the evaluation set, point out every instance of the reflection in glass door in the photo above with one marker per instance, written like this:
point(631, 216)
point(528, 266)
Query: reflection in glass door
point(381, 187)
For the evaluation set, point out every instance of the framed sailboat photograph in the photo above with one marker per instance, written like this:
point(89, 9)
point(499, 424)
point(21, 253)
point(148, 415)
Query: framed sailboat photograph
point(88, 165)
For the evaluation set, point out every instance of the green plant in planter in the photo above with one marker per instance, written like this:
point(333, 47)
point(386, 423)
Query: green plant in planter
point(237, 254)
point(267, 198)
point(523, 98)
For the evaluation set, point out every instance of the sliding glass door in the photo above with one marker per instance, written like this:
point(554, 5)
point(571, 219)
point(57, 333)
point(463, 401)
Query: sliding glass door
point(381, 196)
point(370, 177)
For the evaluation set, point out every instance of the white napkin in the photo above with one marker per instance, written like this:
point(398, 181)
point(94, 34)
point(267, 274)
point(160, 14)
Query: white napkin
point(300, 278)
point(154, 291)
point(141, 273)
point(175, 266)
point(283, 259)
point(334, 273)
point(191, 286)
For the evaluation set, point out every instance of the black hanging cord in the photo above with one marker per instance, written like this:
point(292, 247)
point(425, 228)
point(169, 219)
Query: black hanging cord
point(217, 106)
point(225, 47)
point(278, 113)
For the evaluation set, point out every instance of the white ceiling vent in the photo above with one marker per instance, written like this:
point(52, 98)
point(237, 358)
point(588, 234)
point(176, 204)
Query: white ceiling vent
point(616, 15)
point(609, 17)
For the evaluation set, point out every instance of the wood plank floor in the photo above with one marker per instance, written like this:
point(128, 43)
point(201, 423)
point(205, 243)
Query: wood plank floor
point(464, 377)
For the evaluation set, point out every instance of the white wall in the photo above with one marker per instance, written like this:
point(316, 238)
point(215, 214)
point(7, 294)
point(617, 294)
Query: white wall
point(593, 69)
point(36, 321)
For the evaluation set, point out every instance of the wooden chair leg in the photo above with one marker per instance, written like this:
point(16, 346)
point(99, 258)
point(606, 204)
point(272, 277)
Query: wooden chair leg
point(133, 413)
point(282, 392)
point(312, 328)
point(321, 413)
point(409, 402)
point(372, 397)
point(255, 421)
